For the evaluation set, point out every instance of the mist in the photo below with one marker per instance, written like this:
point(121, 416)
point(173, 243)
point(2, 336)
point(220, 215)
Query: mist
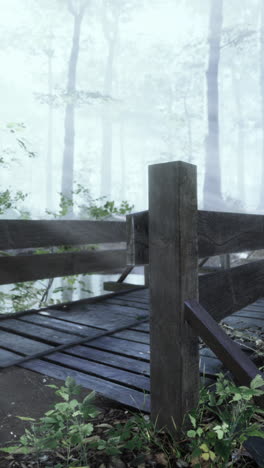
point(93, 92)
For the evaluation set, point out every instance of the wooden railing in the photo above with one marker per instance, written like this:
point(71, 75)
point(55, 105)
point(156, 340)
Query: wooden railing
point(171, 237)
point(20, 234)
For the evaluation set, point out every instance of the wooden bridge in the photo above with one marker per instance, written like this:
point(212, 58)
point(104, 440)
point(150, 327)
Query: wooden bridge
point(140, 346)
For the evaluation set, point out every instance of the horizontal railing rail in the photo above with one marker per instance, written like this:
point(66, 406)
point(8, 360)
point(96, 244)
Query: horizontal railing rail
point(229, 352)
point(24, 234)
point(218, 234)
point(15, 269)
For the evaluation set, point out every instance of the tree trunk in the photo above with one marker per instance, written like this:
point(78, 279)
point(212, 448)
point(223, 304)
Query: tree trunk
point(122, 158)
point(261, 199)
point(49, 174)
point(240, 138)
point(212, 181)
point(111, 34)
point(189, 130)
point(69, 122)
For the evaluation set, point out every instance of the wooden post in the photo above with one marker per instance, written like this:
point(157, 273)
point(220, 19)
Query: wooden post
point(146, 275)
point(173, 279)
point(225, 261)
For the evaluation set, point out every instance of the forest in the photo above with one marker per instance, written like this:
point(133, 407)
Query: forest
point(95, 96)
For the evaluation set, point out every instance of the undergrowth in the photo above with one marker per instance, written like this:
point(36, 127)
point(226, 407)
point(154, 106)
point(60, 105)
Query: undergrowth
point(74, 433)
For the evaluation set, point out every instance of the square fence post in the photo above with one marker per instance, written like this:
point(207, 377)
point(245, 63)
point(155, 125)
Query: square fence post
point(173, 255)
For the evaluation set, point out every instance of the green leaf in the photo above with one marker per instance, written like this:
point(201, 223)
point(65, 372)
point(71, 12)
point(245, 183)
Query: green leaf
point(24, 418)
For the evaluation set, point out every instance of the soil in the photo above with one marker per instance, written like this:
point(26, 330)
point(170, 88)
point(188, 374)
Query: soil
point(24, 393)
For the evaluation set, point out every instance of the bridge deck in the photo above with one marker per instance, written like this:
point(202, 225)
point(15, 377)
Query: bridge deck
point(115, 365)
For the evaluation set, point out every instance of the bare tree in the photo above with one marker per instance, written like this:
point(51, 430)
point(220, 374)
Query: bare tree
point(212, 181)
point(110, 22)
point(77, 9)
point(261, 200)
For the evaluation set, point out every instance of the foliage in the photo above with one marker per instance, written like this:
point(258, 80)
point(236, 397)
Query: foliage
point(223, 420)
point(64, 426)
point(235, 419)
point(9, 200)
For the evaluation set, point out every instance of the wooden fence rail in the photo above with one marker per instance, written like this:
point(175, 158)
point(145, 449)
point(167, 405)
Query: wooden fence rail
point(35, 267)
point(218, 233)
point(23, 234)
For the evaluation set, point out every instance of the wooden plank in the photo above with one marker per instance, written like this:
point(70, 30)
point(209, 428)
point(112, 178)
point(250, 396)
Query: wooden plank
point(101, 370)
point(66, 305)
point(132, 335)
point(23, 234)
point(8, 358)
point(209, 365)
point(128, 303)
point(55, 324)
point(173, 279)
point(115, 286)
point(120, 393)
point(218, 234)
point(111, 308)
point(127, 348)
point(243, 322)
point(243, 369)
point(222, 233)
point(226, 292)
point(34, 267)
point(138, 238)
point(95, 318)
point(37, 332)
point(22, 345)
point(250, 313)
point(144, 327)
point(112, 359)
point(125, 273)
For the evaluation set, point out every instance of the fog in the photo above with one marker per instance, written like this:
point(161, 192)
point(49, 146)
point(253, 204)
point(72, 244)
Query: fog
point(157, 106)
point(94, 91)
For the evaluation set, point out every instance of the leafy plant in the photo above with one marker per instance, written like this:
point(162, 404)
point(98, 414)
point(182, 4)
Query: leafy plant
point(63, 427)
point(224, 419)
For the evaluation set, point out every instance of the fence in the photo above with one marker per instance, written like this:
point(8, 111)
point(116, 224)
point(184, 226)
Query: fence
point(171, 237)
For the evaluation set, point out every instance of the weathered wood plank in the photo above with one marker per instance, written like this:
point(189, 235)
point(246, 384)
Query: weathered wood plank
point(22, 234)
point(209, 365)
point(113, 359)
point(127, 348)
point(131, 335)
point(226, 292)
point(101, 370)
point(218, 234)
point(173, 279)
point(55, 324)
point(37, 332)
point(34, 267)
point(222, 233)
point(128, 302)
point(22, 345)
point(98, 318)
point(111, 390)
point(243, 369)
point(115, 286)
point(8, 358)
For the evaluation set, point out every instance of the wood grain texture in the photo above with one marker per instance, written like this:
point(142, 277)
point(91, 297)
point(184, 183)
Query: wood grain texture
point(226, 292)
point(121, 393)
point(103, 371)
point(22, 234)
point(218, 234)
point(35, 267)
point(173, 279)
point(222, 233)
point(243, 369)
